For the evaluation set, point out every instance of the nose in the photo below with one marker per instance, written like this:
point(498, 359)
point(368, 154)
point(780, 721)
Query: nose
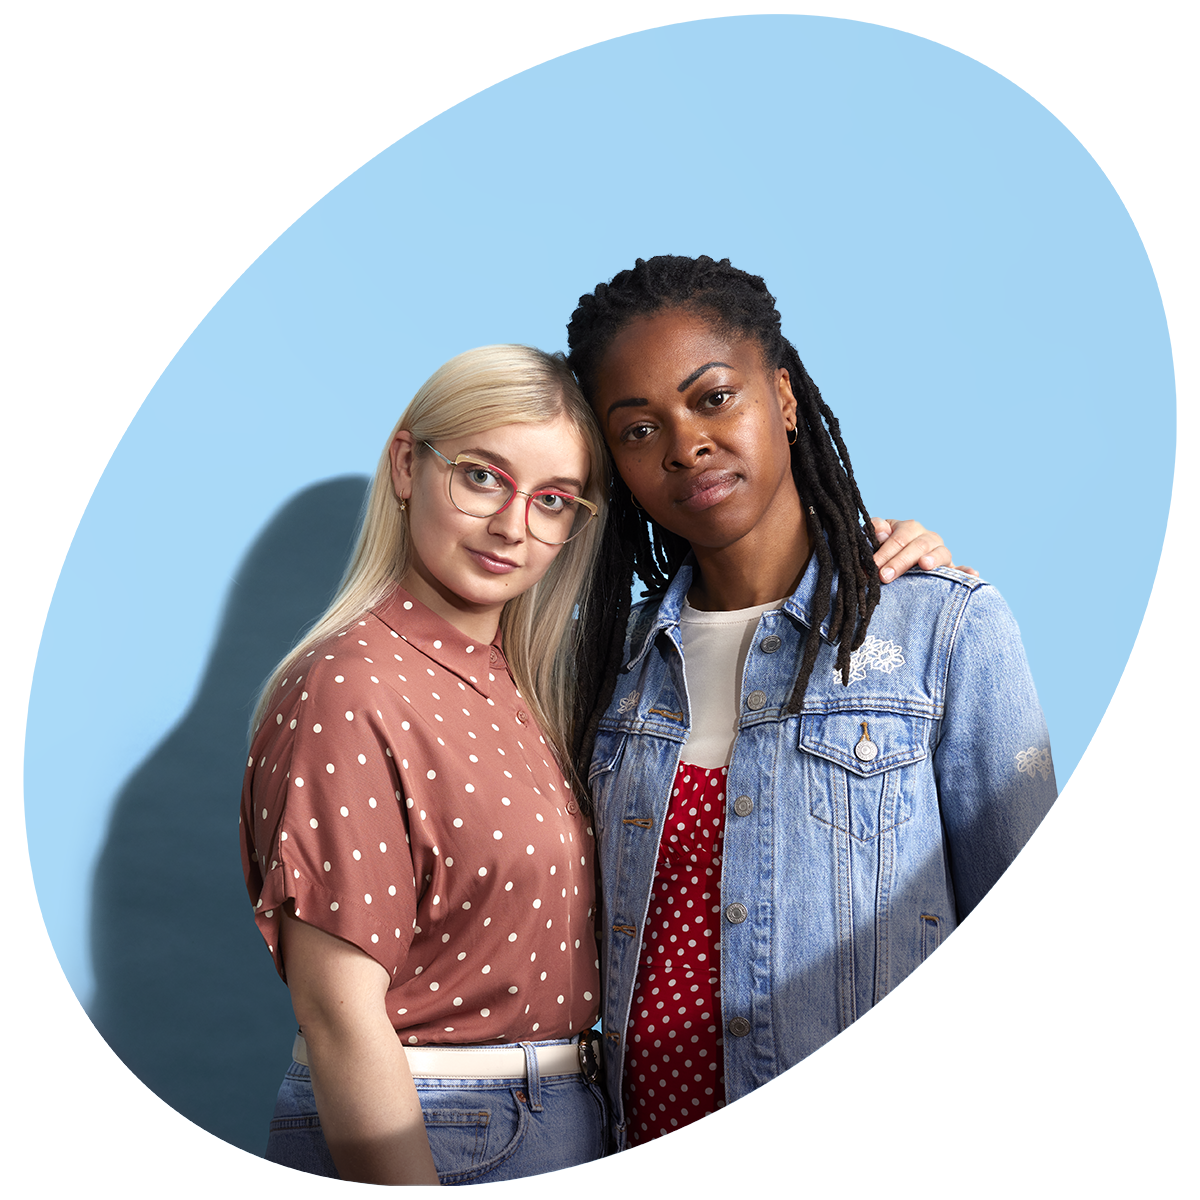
point(686, 445)
point(510, 524)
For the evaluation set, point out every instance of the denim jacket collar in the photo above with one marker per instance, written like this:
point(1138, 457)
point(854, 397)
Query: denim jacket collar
point(799, 605)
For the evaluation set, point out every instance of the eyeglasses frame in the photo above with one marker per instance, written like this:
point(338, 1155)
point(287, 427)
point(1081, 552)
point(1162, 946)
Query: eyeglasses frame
point(593, 510)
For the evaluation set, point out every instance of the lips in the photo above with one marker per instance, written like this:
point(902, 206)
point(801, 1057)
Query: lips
point(706, 489)
point(493, 562)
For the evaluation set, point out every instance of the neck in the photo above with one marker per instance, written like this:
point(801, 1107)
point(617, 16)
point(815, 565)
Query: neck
point(757, 569)
point(478, 622)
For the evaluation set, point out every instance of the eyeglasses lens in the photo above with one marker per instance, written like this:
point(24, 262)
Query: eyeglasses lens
point(554, 517)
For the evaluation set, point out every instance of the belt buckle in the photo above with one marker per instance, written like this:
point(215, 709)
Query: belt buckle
point(590, 1062)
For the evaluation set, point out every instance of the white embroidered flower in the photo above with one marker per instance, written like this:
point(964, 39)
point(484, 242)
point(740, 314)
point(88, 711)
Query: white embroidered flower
point(875, 654)
point(1034, 761)
point(629, 702)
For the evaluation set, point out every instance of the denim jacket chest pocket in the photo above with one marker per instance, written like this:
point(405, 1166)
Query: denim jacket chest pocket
point(865, 769)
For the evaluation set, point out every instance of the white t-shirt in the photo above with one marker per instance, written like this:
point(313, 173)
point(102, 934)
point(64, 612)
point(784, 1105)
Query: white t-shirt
point(715, 645)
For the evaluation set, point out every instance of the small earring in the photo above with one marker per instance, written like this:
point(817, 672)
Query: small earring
point(795, 432)
point(635, 503)
point(403, 504)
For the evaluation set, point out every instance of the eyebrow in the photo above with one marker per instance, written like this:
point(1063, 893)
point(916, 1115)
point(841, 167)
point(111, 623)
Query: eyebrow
point(687, 383)
point(639, 402)
point(498, 460)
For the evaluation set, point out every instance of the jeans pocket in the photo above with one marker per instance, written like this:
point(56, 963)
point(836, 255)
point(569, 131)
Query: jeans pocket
point(468, 1144)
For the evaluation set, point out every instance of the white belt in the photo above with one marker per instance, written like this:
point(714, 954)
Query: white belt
point(476, 1062)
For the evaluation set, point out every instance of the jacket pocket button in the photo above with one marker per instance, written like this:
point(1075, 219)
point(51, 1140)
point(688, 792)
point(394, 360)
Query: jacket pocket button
point(739, 1027)
point(743, 806)
point(756, 700)
point(770, 644)
point(735, 914)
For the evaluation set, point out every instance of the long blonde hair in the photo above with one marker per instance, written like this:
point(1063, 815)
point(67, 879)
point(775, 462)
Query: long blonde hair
point(478, 390)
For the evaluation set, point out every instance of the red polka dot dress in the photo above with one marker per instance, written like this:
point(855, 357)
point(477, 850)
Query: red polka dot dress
point(675, 1072)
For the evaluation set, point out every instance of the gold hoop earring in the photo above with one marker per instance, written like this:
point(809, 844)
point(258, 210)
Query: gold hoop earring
point(635, 503)
point(795, 432)
point(403, 504)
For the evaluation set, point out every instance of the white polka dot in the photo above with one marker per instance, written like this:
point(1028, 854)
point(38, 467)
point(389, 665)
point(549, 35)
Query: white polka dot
point(344, 811)
point(312, 820)
point(433, 987)
point(458, 822)
point(374, 937)
point(485, 1012)
point(512, 937)
point(367, 898)
point(326, 865)
point(512, 991)
point(497, 834)
point(329, 768)
point(528, 849)
point(316, 729)
point(537, 904)
point(339, 679)
point(264, 812)
point(333, 907)
point(392, 890)
point(357, 855)
point(482, 870)
point(470, 787)
point(486, 968)
point(279, 718)
point(587, 995)
point(383, 847)
point(430, 774)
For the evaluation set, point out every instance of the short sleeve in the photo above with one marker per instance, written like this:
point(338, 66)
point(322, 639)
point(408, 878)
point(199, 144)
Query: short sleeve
point(324, 823)
point(993, 765)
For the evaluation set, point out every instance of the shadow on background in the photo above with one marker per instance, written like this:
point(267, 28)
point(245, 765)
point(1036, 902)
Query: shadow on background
point(186, 994)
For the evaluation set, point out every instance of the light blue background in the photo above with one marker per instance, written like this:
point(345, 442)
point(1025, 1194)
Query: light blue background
point(957, 273)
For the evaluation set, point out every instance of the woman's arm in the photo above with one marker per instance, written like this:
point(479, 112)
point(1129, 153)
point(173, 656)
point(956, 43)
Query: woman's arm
point(903, 544)
point(365, 1095)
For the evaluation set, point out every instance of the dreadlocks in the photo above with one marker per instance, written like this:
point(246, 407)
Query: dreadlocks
point(736, 303)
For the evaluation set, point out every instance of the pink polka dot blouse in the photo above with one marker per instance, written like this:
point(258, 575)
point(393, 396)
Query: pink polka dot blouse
point(400, 795)
point(674, 1071)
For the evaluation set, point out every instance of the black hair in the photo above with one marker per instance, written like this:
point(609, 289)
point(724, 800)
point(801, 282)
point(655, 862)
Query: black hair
point(737, 303)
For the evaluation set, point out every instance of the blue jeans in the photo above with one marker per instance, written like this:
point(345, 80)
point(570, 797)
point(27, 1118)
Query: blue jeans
point(480, 1130)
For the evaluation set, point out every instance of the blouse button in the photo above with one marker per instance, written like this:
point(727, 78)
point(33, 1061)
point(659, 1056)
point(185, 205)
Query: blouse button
point(770, 644)
point(743, 806)
point(756, 700)
point(739, 1027)
point(521, 716)
point(572, 807)
point(492, 656)
point(735, 914)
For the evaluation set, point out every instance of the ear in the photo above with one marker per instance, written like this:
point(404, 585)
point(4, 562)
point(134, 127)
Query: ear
point(787, 399)
point(402, 453)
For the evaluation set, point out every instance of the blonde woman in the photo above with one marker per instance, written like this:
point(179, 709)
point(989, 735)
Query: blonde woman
point(418, 864)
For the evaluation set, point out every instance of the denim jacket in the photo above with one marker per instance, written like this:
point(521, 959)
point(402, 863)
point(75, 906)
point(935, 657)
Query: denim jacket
point(858, 833)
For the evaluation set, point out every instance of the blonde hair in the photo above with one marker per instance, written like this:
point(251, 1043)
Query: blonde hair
point(478, 390)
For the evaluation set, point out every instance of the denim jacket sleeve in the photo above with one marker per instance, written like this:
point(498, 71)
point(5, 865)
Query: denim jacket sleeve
point(992, 763)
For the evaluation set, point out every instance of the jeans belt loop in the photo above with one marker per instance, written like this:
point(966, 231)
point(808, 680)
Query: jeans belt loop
point(533, 1081)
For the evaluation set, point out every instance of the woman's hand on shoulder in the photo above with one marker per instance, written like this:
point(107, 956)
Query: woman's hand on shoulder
point(905, 544)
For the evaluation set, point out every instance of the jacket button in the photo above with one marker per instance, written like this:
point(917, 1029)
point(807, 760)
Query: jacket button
point(770, 644)
point(739, 1027)
point(756, 700)
point(735, 914)
point(743, 806)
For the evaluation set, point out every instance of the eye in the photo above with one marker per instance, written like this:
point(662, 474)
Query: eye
point(637, 433)
point(554, 503)
point(717, 399)
point(479, 477)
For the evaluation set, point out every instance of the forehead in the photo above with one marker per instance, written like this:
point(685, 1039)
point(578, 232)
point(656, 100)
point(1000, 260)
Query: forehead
point(663, 349)
point(548, 448)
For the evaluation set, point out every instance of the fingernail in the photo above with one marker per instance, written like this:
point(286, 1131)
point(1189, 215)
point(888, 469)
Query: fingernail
point(887, 574)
